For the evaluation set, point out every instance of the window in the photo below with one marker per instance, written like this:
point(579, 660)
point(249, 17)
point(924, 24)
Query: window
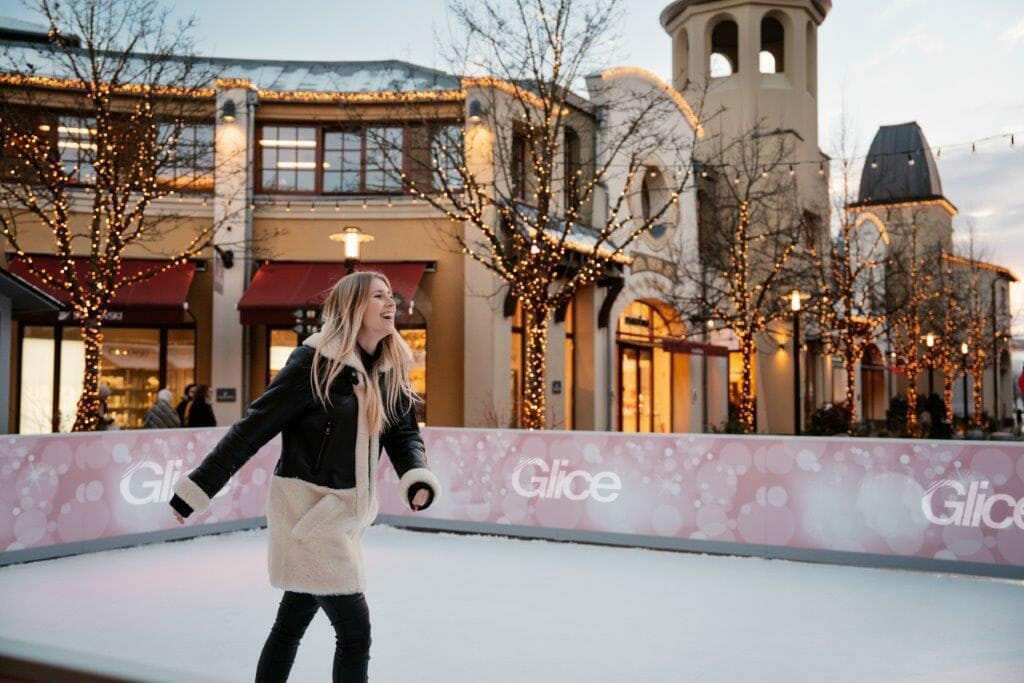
point(190, 161)
point(572, 170)
point(447, 155)
point(383, 159)
point(282, 343)
point(35, 407)
point(811, 41)
point(772, 57)
point(416, 338)
point(77, 149)
point(645, 370)
point(181, 360)
point(136, 363)
point(288, 158)
point(130, 366)
point(343, 161)
point(724, 58)
point(517, 168)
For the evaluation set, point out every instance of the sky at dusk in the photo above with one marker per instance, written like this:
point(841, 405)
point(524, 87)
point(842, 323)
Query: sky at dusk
point(955, 67)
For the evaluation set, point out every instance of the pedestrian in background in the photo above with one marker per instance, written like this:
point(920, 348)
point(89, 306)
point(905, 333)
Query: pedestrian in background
point(187, 395)
point(198, 411)
point(161, 415)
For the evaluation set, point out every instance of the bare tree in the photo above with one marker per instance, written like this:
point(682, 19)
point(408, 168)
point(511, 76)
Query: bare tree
point(910, 307)
point(951, 315)
point(979, 325)
point(518, 192)
point(750, 231)
point(848, 278)
point(130, 92)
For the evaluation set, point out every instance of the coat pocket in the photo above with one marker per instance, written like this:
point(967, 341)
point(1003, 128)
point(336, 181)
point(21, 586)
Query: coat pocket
point(323, 512)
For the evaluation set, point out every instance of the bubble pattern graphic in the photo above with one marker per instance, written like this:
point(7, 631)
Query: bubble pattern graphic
point(830, 494)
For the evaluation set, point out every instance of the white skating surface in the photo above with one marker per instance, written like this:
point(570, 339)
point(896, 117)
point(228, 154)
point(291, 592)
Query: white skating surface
point(449, 608)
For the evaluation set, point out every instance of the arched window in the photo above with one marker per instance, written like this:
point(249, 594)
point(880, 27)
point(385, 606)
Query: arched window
point(724, 59)
point(654, 196)
point(772, 57)
point(811, 43)
point(681, 59)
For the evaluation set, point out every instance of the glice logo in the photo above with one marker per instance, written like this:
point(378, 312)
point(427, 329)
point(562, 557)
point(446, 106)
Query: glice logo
point(559, 483)
point(976, 509)
point(158, 488)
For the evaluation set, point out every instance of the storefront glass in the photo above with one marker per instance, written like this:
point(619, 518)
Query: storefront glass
point(181, 361)
point(417, 341)
point(36, 404)
point(72, 375)
point(645, 386)
point(130, 366)
point(282, 343)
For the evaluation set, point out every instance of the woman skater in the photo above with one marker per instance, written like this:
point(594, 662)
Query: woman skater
point(342, 396)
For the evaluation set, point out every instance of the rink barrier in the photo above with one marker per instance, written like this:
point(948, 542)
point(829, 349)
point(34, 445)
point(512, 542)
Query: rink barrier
point(867, 502)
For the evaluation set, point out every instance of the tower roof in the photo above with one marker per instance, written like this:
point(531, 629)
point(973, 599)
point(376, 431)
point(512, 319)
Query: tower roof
point(888, 176)
point(677, 7)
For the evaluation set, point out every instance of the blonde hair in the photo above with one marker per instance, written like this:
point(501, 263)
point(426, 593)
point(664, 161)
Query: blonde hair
point(342, 319)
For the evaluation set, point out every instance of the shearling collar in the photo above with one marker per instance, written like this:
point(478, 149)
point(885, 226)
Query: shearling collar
point(332, 349)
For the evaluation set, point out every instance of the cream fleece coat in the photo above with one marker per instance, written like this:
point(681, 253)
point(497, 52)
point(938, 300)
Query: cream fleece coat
point(316, 532)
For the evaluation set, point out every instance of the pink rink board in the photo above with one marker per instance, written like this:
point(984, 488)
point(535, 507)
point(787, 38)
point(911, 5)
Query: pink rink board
point(942, 504)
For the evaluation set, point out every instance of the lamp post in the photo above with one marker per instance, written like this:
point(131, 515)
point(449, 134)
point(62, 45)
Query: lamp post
point(353, 238)
point(795, 298)
point(964, 348)
point(929, 341)
point(892, 371)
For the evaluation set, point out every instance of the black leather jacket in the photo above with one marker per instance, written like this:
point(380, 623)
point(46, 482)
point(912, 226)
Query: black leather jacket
point(318, 443)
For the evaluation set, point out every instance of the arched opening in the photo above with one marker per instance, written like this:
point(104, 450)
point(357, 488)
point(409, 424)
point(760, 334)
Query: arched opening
point(681, 60)
point(772, 58)
point(724, 58)
point(655, 195)
point(811, 43)
point(645, 370)
point(572, 170)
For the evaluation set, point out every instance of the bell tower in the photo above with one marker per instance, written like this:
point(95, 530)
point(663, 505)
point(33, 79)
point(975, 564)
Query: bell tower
point(754, 63)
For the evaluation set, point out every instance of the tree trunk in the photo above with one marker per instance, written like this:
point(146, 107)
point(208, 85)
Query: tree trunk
point(977, 396)
point(911, 403)
point(748, 400)
point(534, 389)
point(947, 393)
point(851, 378)
point(88, 412)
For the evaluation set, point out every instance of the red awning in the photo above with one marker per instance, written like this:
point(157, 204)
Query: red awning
point(158, 299)
point(694, 348)
point(279, 287)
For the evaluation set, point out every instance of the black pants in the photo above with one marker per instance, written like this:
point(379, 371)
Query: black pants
point(350, 617)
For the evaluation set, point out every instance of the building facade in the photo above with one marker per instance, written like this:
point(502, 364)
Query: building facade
point(296, 156)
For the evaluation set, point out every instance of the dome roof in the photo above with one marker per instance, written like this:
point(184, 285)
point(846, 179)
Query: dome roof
point(889, 176)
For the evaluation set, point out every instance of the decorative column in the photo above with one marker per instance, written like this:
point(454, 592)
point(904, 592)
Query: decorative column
point(232, 262)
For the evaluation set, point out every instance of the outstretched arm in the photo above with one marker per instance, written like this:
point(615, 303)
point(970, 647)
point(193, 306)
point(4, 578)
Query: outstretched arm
point(405, 448)
point(285, 397)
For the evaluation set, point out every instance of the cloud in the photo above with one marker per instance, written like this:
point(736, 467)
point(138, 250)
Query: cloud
point(1013, 33)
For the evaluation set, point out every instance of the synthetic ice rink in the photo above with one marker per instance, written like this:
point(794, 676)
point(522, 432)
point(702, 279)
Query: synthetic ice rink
point(452, 608)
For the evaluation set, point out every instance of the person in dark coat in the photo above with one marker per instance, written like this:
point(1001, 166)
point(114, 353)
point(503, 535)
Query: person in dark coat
point(199, 412)
point(342, 397)
point(187, 395)
point(161, 415)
